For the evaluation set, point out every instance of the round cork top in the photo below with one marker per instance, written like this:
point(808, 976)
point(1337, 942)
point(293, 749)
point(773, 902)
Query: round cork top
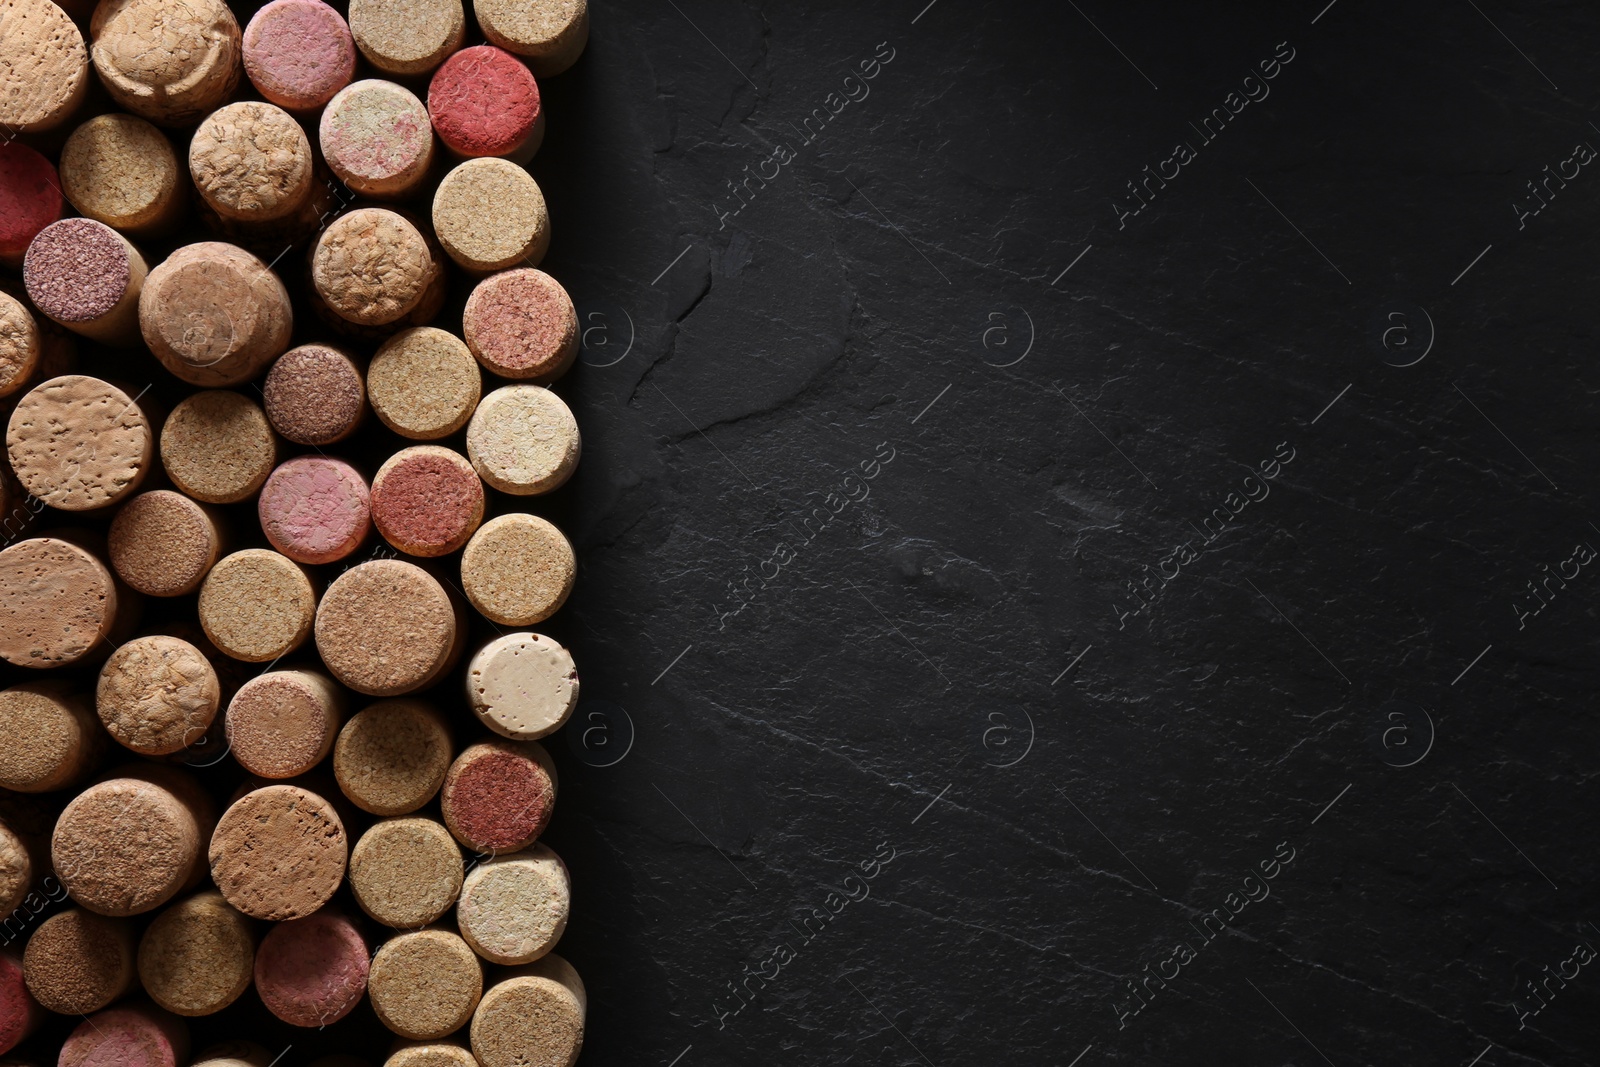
point(218, 447)
point(312, 971)
point(162, 543)
point(410, 37)
point(126, 846)
point(278, 853)
point(120, 170)
point(78, 443)
point(427, 500)
point(524, 440)
point(522, 685)
point(431, 1054)
point(298, 53)
point(214, 315)
point(30, 196)
point(44, 66)
point(235, 1054)
point(518, 569)
point(549, 34)
point(281, 724)
point(483, 102)
point(386, 628)
point(406, 873)
point(391, 758)
point(157, 695)
point(257, 605)
point(77, 270)
point(57, 603)
point(514, 908)
point(133, 1036)
point(170, 61)
point(426, 984)
point(522, 325)
point(376, 136)
point(52, 736)
point(21, 350)
point(372, 266)
point(499, 795)
point(78, 962)
point(16, 870)
point(314, 395)
point(196, 957)
point(534, 1019)
point(490, 215)
point(251, 161)
point(315, 509)
point(19, 1012)
point(424, 383)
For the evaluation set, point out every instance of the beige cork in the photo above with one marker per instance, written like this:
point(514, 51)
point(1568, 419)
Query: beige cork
point(78, 962)
point(406, 872)
point(499, 795)
point(533, 1018)
point(314, 395)
point(59, 605)
point(120, 170)
point(87, 277)
point(424, 383)
point(521, 324)
point(44, 66)
point(387, 627)
point(407, 36)
point(523, 440)
point(169, 61)
point(214, 315)
point(278, 853)
point(235, 1054)
point(218, 447)
point(426, 984)
point(372, 266)
point(518, 569)
point(196, 957)
point(377, 139)
point(430, 1054)
point(490, 215)
point(391, 758)
point(257, 605)
point(18, 870)
point(53, 738)
point(548, 34)
point(514, 908)
point(283, 723)
point(163, 544)
point(157, 695)
point(252, 162)
point(78, 443)
point(522, 685)
point(22, 346)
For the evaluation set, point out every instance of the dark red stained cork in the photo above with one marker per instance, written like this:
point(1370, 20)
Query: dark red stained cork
point(19, 1012)
point(30, 198)
point(427, 501)
point(483, 102)
point(77, 270)
point(501, 800)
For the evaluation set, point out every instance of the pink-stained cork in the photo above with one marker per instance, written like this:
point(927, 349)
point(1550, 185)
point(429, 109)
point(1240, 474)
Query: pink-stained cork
point(30, 199)
point(427, 500)
point(298, 53)
point(86, 276)
point(522, 325)
point(312, 971)
point(377, 138)
point(140, 1035)
point(19, 1012)
point(484, 102)
point(315, 509)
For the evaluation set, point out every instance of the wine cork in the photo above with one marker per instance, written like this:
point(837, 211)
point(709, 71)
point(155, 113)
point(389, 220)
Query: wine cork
point(518, 569)
point(128, 845)
point(425, 984)
point(514, 908)
point(484, 102)
point(378, 139)
point(391, 758)
point(410, 37)
point(523, 440)
point(78, 443)
point(20, 1014)
point(278, 853)
point(312, 971)
point(548, 34)
point(298, 53)
point(315, 509)
point(196, 957)
point(53, 738)
point(499, 795)
point(30, 194)
point(522, 685)
point(157, 695)
point(169, 61)
point(44, 66)
point(424, 384)
point(235, 1054)
point(534, 1018)
point(257, 605)
point(490, 215)
point(58, 604)
point(163, 544)
point(430, 1054)
point(78, 962)
point(522, 325)
point(17, 869)
point(405, 872)
point(252, 162)
point(387, 628)
point(87, 277)
point(427, 500)
point(372, 266)
point(314, 395)
point(120, 170)
point(138, 1035)
point(283, 723)
point(218, 447)
point(22, 346)
point(214, 315)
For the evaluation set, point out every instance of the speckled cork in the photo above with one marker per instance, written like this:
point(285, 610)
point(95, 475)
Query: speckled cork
point(87, 277)
point(218, 447)
point(77, 962)
point(514, 908)
point(120, 170)
point(427, 500)
point(407, 37)
point(484, 102)
point(169, 61)
point(20, 1014)
point(424, 384)
point(522, 685)
point(314, 395)
point(387, 628)
point(430, 1054)
point(257, 605)
point(157, 695)
point(315, 509)
point(235, 1054)
point(252, 162)
point(196, 957)
point(134, 1035)
point(533, 1018)
point(78, 443)
point(163, 544)
point(391, 758)
point(499, 795)
point(548, 34)
point(58, 604)
point(298, 53)
point(214, 315)
point(278, 852)
point(377, 138)
point(523, 440)
point(406, 872)
point(53, 738)
point(426, 984)
point(283, 723)
point(30, 196)
point(372, 266)
point(522, 325)
point(312, 971)
point(17, 869)
point(518, 569)
point(22, 346)
point(490, 215)
point(44, 66)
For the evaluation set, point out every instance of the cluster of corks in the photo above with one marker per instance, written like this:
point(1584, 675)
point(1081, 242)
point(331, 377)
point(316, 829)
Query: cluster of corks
point(275, 370)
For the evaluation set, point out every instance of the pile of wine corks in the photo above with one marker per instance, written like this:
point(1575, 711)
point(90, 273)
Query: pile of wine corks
point(279, 580)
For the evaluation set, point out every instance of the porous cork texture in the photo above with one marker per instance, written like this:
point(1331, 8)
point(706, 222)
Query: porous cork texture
point(169, 61)
point(425, 985)
point(196, 957)
point(87, 277)
point(252, 162)
point(30, 199)
point(523, 440)
point(514, 908)
point(163, 544)
point(78, 962)
point(16, 870)
point(218, 447)
point(484, 102)
point(534, 1018)
point(407, 37)
point(257, 605)
point(499, 795)
point(377, 138)
point(387, 628)
point(44, 66)
point(521, 325)
point(235, 1054)
point(58, 603)
point(372, 266)
point(283, 723)
point(214, 315)
point(315, 509)
point(298, 53)
point(548, 34)
point(490, 215)
point(127, 1035)
point(427, 500)
point(20, 1014)
point(518, 569)
point(21, 346)
point(278, 853)
point(522, 685)
point(314, 395)
point(52, 737)
point(120, 170)
point(128, 845)
point(78, 443)
point(424, 384)
point(406, 872)
point(312, 971)
point(157, 695)
point(391, 758)
point(430, 1054)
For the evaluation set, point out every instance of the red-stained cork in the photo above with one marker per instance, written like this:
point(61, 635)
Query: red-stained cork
point(298, 53)
point(30, 199)
point(86, 276)
point(522, 325)
point(312, 971)
point(140, 1035)
point(19, 1012)
point(484, 102)
point(427, 500)
point(498, 795)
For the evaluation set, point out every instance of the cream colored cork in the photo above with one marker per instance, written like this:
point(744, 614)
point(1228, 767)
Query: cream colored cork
point(58, 604)
point(120, 170)
point(407, 36)
point(257, 605)
point(283, 723)
point(372, 266)
point(278, 853)
point(22, 347)
point(44, 66)
point(163, 544)
point(218, 447)
point(406, 872)
point(169, 61)
point(391, 758)
point(430, 1054)
point(426, 984)
point(424, 383)
point(87, 277)
point(252, 162)
point(377, 138)
point(78, 962)
point(235, 1054)
point(196, 957)
point(157, 695)
point(490, 215)
point(548, 34)
point(518, 569)
point(523, 440)
point(214, 315)
point(78, 443)
point(533, 1018)
point(17, 870)
point(514, 908)
point(522, 685)
point(53, 737)
point(387, 628)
